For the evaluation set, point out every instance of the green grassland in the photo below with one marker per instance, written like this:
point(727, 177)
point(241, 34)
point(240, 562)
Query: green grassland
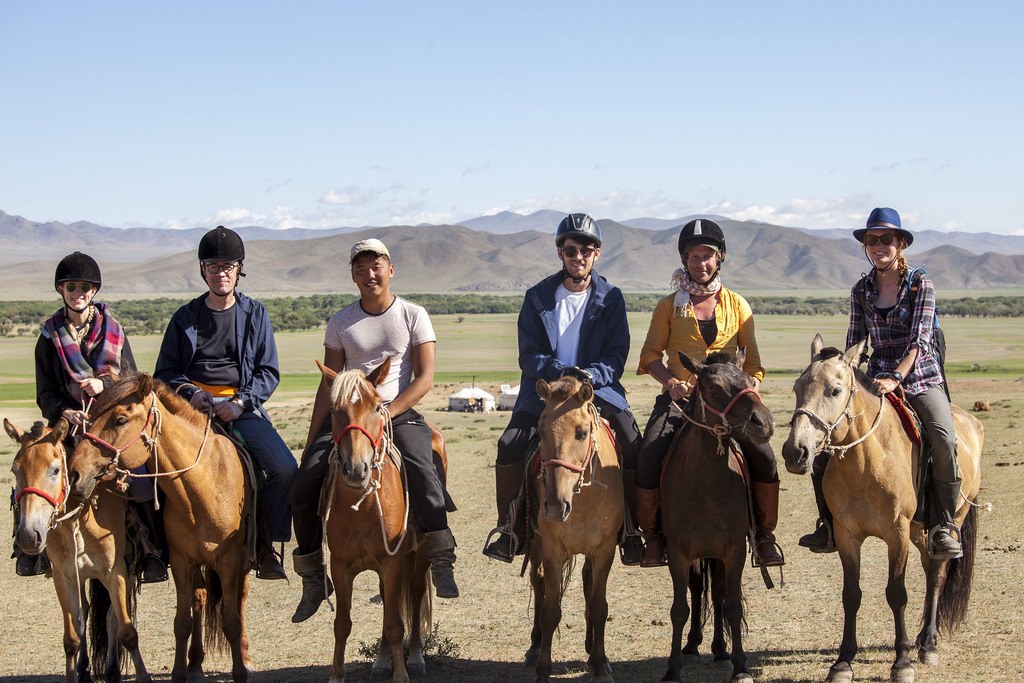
point(483, 346)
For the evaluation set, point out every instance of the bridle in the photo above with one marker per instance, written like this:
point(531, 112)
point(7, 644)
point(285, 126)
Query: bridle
point(57, 503)
point(722, 429)
point(826, 444)
point(588, 459)
point(152, 414)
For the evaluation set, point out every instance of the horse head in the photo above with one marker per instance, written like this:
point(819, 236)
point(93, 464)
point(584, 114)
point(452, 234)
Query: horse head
point(824, 395)
point(118, 434)
point(41, 483)
point(727, 392)
point(357, 420)
point(568, 429)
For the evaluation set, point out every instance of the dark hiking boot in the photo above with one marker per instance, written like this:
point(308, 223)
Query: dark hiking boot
point(316, 587)
point(821, 540)
point(441, 554)
point(508, 484)
point(647, 503)
point(269, 565)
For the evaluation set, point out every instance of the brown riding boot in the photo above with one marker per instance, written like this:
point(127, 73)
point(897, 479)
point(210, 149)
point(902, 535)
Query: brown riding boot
point(647, 503)
point(632, 546)
point(766, 551)
point(508, 483)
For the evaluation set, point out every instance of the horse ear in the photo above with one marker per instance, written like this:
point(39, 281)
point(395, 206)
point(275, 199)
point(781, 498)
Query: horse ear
point(816, 345)
point(690, 364)
point(12, 431)
point(852, 355)
point(741, 357)
point(586, 392)
point(380, 373)
point(544, 389)
point(328, 374)
point(145, 386)
point(60, 431)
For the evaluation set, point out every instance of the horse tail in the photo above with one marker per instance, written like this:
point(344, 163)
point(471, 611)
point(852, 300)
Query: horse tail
point(213, 630)
point(96, 616)
point(705, 567)
point(956, 591)
point(408, 598)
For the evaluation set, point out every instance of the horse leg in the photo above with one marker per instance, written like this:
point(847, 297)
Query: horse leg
point(551, 613)
point(928, 638)
point(679, 568)
point(896, 595)
point(719, 648)
point(70, 598)
point(231, 619)
point(243, 640)
point(849, 555)
point(588, 592)
point(733, 608)
point(691, 651)
point(597, 609)
point(382, 666)
point(417, 568)
point(343, 619)
point(184, 620)
point(394, 629)
point(537, 583)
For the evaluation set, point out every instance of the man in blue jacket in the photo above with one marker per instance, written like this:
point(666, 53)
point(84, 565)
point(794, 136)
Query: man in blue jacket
point(572, 322)
point(219, 354)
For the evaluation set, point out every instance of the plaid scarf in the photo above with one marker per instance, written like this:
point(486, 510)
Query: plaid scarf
point(101, 345)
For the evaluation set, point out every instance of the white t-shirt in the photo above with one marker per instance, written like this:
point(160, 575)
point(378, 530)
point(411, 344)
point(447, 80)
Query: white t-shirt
point(569, 313)
point(368, 339)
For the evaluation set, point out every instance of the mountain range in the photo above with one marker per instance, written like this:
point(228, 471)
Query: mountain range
point(499, 253)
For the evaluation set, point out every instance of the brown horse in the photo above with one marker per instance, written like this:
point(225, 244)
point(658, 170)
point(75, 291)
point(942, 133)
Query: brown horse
point(869, 487)
point(138, 421)
point(705, 513)
point(85, 546)
point(367, 524)
point(579, 491)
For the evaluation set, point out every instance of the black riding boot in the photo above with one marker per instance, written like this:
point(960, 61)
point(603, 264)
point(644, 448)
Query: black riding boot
point(631, 549)
point(822, 540)
point(941, 544)
point(441, 554)
point(152, 542)
point(511, 529)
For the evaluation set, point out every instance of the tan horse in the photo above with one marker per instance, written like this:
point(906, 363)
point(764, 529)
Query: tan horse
point(704, 509)
point(138, 421)
point(87, 546)
point(869, 487)
point(579, 491)
point(369, 526)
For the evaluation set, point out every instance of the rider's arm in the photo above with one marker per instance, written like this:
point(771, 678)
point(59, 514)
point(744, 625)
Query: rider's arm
point(536, 357)
point(265, 373)
point(335, 360)
point(422, 382)
point(746, 339)
point(608, 367)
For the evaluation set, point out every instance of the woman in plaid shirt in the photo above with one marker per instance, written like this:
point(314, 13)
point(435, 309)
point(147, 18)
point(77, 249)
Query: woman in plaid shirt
point(900, 325)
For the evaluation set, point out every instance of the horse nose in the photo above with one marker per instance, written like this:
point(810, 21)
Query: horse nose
point(557, 510)
point(73, 478)
point(797, 456)
point(355, 472)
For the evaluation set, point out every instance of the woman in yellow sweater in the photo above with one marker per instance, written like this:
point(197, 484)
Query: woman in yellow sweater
point(701, 317)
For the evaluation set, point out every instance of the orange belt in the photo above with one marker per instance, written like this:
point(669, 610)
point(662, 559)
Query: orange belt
point(216, 390)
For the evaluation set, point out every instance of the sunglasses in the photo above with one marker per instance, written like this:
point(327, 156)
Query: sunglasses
point(572, 252)
point(886, 239)
point(72, 287)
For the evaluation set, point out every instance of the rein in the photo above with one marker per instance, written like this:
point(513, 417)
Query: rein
point(719, 430)
point(588, 459)
point(826, 444)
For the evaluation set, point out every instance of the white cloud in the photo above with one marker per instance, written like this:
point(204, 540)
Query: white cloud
point(353, 195)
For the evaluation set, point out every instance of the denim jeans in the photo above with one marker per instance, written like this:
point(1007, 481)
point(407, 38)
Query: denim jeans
point(272, 456)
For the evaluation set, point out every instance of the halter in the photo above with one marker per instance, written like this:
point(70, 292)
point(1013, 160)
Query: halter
point(150, 441)
point(588, 459)
point(65, 486)
point(720, 430)
point(826, 445)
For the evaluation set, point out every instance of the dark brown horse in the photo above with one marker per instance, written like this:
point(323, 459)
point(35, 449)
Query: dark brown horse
point(869, 487)
point(138, 421)
point(704, 508)
point(87, 546)
point(368, 527)
point(579, 490)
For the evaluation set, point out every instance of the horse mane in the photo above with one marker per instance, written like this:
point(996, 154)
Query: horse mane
point(345, 385)
point(861, 377)
point(38, 429)
point(564, 388)
point(123, 387)
point(719, 357)
point(177, 405)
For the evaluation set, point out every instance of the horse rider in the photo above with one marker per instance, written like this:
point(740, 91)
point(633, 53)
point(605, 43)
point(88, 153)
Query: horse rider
point(699, 318)
point(900, 324)
point(572, 322)
point(360, 337)
point(80, 351)
point(219, 354)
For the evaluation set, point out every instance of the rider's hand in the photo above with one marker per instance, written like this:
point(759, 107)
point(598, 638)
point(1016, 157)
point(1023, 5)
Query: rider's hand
point(886, 384)
point(91, 386)
point(678, 389)
point(227, 411)
point(74, 417)
point(202, 401)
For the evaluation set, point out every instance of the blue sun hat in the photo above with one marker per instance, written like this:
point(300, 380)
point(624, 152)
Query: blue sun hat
point(884, 218)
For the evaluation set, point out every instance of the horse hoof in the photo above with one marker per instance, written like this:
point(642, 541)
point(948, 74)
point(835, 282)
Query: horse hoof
point(416, 669)
point(929, 657)
point(743, 676)
point(380, 674)
point(670, 676)
point(531, 657)
point(840, 673)
point(902, 675)
point(691, 658)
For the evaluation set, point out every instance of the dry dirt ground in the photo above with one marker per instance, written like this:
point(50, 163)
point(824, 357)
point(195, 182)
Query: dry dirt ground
point(793, 632)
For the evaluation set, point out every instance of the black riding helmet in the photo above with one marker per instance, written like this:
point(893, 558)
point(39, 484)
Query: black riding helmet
point(578, 225)
point(79, 267)
point(702, 232)
point(221, 244)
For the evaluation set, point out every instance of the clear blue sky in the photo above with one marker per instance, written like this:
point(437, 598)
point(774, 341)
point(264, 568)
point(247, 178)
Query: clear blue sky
point(321, 114)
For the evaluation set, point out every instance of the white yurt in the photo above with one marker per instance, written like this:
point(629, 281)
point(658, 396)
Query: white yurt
point(471, 400)
point(507, 397)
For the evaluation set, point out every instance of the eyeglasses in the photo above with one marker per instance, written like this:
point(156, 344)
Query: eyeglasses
point(72, 287)
point(214, 268)
point(572, 252)
point(886, 239)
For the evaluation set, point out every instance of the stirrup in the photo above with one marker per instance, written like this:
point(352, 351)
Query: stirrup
point(949, 529)
point(755, 554)
point(498, 530)
point(830, 543)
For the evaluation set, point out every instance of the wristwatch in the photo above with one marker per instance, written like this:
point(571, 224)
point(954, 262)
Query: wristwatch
point(240, 403)
point(896, 375)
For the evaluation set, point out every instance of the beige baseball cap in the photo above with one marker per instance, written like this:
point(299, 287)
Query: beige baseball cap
point(373, 246)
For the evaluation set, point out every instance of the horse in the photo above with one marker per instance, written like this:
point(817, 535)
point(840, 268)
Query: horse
point(705, 511)
point(141, 421)
point(579, 492)
point(367, 527)
point(86, 544)
point(869, 487)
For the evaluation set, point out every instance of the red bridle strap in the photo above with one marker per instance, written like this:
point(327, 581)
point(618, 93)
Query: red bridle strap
point(118, 451)
point(55, 502)
point(586, 460)
point(359, 428)
point(725, 411)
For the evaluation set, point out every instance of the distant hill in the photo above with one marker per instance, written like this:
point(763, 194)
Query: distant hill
point(462, 258)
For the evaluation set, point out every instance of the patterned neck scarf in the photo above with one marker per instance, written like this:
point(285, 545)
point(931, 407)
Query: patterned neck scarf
point(685, 286)
point(99, 352)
